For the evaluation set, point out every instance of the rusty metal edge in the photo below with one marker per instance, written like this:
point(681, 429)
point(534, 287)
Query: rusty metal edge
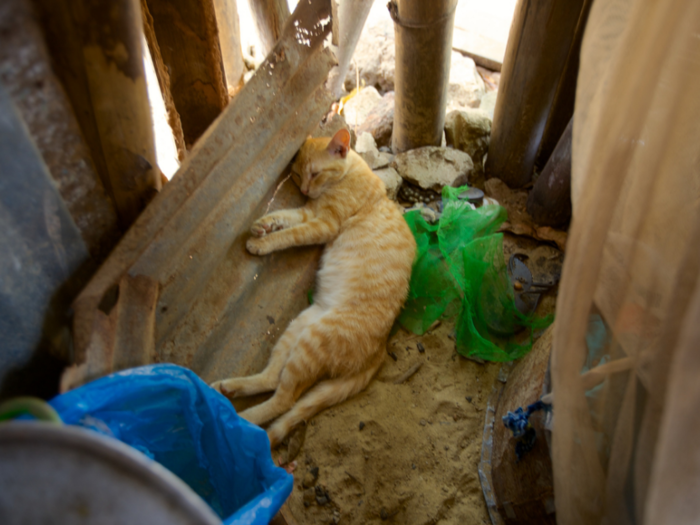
point(487, 444)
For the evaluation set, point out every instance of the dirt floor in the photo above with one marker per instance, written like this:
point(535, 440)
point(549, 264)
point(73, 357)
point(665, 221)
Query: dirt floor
point(401, 453)
point(407, 452)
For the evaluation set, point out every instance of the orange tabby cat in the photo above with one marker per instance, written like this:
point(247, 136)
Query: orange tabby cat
point(362, 283)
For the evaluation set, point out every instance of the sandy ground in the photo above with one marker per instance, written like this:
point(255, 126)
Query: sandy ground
point(408, 452)
point(415, 458)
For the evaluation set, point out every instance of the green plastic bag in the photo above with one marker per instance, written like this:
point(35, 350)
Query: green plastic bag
point(460, 272)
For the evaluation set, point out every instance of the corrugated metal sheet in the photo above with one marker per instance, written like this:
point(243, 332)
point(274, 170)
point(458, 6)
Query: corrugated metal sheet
point(216, 309)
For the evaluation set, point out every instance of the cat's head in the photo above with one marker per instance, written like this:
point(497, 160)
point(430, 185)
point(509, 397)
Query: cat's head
point(321, 162)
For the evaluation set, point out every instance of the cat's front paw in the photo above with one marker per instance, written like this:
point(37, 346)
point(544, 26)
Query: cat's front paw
point(265, 225)
point(258, 246)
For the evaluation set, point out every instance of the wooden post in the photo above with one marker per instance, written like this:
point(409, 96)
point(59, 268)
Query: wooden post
point(549, 201)
point(230, 43)
point(563, 105)
point(423, 55)
point(538, 45)
point(187, 35)
point(270, 16)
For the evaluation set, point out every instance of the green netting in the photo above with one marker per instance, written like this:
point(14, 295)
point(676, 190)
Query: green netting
point(460, 272)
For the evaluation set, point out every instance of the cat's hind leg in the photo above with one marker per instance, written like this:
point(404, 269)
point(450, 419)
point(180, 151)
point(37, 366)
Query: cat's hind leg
point(324, 395)
point(303, 368)
point(268, 379)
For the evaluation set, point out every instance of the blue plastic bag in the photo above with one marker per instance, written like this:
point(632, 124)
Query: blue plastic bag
point(172, 416)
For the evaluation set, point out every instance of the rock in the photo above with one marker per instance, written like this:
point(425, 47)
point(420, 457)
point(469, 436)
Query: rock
point(488, 103)
point(380, 121)
point(469, 131)
point(367, 149)
point(331, 126)
point(322, 497)
point(358, 107)
point(432, 168)
point(374, 57)
point(310, 478)
point(465, 88)
point(392, 180)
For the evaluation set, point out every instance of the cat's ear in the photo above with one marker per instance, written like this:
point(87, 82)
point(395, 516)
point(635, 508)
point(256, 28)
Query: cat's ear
point(340, 143)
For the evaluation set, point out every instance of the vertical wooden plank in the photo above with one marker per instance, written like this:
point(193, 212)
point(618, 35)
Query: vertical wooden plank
point(163, 81)
point(188, 38)
point(270, 16)
point(26, 72)
point(113, 58)
point(230, 43)
point(538, 46)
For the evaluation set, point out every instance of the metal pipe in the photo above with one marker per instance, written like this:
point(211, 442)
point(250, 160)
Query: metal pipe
point(423, 54)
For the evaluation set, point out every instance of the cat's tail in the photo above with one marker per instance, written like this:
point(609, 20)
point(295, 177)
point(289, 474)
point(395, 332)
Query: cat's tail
point(323, 395)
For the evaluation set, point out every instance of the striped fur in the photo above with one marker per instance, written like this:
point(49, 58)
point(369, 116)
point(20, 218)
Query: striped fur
point(332, 349)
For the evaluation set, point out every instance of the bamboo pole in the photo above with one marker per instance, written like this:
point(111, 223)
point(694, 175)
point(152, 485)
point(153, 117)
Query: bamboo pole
point(538, 46)
point(563, 104)
point(549, 201)
point(423, 55)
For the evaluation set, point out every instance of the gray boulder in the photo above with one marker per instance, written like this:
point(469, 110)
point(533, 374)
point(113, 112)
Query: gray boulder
point(380, 121)
point(432, 167)
point(358, 107)
point(469, 131)
point(367, 149)
point(488, 103)
point(466, 87)
point(392, 180)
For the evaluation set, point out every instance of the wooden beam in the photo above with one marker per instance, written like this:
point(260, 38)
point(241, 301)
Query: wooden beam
point(188, 38)
point(163, 81)
point(270, 16)
point(230, 42)
point(538, 46)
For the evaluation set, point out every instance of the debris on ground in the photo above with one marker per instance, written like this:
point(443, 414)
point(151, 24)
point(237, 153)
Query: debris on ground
point(520, 222)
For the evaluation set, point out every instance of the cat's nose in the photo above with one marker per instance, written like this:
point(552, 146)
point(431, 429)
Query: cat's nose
point(305, 191)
